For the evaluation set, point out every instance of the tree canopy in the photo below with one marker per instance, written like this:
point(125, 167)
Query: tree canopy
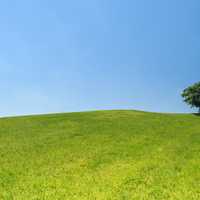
point(191, 95)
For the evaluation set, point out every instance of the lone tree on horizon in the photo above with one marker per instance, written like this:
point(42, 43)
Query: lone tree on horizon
point(191, 95)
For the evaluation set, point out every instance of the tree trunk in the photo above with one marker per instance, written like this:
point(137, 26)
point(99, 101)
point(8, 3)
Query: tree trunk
point(199, 110)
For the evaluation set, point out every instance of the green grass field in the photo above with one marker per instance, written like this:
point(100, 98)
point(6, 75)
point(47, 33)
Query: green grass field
point(103, 155)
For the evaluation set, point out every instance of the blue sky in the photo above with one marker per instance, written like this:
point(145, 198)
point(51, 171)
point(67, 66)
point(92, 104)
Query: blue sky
point(63, 56)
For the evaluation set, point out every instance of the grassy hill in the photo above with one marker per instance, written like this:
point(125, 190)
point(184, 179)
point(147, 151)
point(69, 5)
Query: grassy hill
point(103, 155)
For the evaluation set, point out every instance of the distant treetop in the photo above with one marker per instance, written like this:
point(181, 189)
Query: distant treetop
point(191, 95)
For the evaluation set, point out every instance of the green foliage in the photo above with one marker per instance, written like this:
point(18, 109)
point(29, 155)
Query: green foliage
point(191, 95)
point(103, 155)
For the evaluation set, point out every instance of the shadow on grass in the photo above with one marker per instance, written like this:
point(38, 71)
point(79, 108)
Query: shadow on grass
point(196, 114)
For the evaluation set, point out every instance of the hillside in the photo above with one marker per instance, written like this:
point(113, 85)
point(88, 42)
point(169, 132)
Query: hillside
point(102, 155)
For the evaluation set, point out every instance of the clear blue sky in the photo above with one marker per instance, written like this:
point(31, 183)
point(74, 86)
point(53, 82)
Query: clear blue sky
point(60, 56)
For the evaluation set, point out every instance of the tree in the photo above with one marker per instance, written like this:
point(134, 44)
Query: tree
point(191, 95)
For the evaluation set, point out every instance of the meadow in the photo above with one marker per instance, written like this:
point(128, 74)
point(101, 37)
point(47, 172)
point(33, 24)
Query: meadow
point(101, 155)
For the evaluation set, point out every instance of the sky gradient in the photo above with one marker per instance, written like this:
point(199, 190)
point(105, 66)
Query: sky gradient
point(63, 56)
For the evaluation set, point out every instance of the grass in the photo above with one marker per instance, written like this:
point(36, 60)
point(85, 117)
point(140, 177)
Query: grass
point(103, 155)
